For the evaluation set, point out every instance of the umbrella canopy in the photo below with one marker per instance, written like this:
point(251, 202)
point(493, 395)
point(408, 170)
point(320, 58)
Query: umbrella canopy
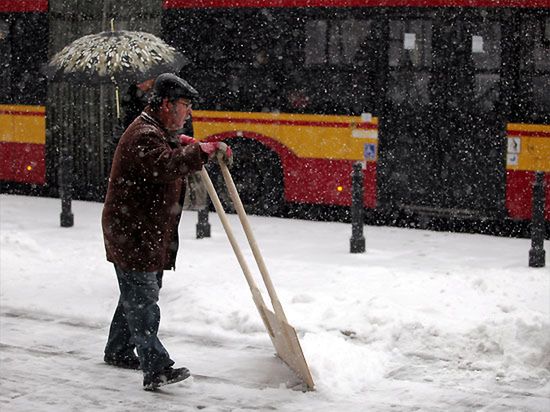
point(114, 56)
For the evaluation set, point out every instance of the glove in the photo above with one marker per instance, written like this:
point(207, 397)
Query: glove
point(218, 149)
point(185, 140)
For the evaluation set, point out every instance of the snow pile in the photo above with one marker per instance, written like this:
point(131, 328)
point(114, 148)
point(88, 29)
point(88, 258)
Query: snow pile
point(342, 367)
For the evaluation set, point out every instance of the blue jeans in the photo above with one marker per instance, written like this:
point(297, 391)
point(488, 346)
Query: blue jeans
point(136, 321)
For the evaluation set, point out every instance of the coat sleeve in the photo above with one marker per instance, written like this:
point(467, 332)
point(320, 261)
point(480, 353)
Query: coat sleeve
point(155, 161)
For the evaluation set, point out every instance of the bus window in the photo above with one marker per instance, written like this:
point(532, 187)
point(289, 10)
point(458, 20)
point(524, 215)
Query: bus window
point(409, 59)
point(239, 66)
point(410, 43)
point(486, 53)
point(339, 42)
point(5, 50)
point(541, 57)
point(486, 58)
point(29, 32)
point(315, 45)
point(340, 57)
point(535, 69)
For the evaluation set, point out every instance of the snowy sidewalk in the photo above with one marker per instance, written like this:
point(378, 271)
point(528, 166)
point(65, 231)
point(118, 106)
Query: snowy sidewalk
point(423, 320)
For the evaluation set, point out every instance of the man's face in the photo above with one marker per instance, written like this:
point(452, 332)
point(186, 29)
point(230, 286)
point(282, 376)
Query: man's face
point(175, 113)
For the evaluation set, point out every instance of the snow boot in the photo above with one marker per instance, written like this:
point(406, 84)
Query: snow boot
point(125, 362)
point(166, 376)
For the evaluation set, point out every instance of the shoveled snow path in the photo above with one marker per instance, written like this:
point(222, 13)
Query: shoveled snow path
point(55, 364)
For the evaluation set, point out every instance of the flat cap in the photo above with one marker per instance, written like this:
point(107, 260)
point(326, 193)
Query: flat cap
point(171, 86)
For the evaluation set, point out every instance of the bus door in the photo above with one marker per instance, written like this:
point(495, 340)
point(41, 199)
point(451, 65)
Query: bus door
point(441, 123)
point(408, 156)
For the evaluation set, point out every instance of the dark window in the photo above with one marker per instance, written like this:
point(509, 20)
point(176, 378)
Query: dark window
point(24, 41)
point(486, 46)
point(5, 52)
point(410, 43)
point(339, 42)
point(236, 56)
point(535, 69)
point(278, 59)
point(486, 58)
point(409, 61)
point(316, 42)
point(339, 71)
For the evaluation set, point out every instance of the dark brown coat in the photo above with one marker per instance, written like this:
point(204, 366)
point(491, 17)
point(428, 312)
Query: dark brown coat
point(144, 198)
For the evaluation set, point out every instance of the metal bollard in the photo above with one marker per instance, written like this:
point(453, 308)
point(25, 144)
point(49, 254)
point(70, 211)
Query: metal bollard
point(357, 241)
point(537, 253)
point(66, 189)
point(203, 227)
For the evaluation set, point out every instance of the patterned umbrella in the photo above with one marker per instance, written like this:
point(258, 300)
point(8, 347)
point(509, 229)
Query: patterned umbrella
point(119, 57)
point(114, 56)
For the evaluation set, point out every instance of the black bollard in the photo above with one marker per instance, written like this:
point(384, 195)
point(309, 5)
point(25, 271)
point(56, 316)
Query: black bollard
point(357, 241)
point(66, 189)
point(203, 227)
point(537, 253)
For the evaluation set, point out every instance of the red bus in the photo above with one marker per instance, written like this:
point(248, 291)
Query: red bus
point(446, 103)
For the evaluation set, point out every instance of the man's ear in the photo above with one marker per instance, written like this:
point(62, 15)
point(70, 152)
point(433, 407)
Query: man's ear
point(164, 105)
point(169, 106)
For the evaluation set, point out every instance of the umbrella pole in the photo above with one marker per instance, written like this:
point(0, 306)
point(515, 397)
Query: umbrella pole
point(101, 129)
point(117, 100)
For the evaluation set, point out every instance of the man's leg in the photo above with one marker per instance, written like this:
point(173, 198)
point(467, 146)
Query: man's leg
point(139, 297)
point(119, 350)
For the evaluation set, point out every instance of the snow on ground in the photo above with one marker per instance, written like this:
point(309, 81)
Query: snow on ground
point(421, 321)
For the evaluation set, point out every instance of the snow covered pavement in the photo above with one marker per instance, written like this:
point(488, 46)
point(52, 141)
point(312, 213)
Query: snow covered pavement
point(422, 321)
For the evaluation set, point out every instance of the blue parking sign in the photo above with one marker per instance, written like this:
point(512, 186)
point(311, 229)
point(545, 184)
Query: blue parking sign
point(369, 151)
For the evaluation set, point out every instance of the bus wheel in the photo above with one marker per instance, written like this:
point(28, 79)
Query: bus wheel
point(258, 176)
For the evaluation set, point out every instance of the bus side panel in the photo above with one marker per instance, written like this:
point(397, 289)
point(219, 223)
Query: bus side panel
point(18, 6)
point(519, 194)
point(22, 162)
point(325, 181)
point(22, 143)
point(528, 151)
point(316, 151)
point(307, 180)
point(316, 180)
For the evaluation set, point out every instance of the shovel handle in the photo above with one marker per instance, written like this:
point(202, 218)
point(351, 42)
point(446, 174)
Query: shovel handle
point(238, 204)
point(256, 294)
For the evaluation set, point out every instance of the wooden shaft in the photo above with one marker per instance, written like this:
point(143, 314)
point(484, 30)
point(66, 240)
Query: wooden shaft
point(277, 307)
point(117, 100)
point(256, 295)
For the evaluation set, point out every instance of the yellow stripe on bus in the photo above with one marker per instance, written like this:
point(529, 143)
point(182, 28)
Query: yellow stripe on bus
point(308, 136)
point(22, 124)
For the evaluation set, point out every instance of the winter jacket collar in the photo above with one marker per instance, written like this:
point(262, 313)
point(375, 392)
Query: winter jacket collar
point(148, 115)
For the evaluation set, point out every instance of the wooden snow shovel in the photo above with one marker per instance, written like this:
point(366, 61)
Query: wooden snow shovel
point(282, 334)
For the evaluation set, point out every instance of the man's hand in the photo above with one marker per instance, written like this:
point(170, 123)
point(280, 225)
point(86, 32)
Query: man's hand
point(185, 140)
point(218, 149)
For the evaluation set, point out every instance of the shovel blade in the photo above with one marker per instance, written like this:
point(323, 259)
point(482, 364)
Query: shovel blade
point(287, 345)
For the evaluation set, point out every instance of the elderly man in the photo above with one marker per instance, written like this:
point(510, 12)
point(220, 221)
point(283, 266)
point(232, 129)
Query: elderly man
point(140, 218)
